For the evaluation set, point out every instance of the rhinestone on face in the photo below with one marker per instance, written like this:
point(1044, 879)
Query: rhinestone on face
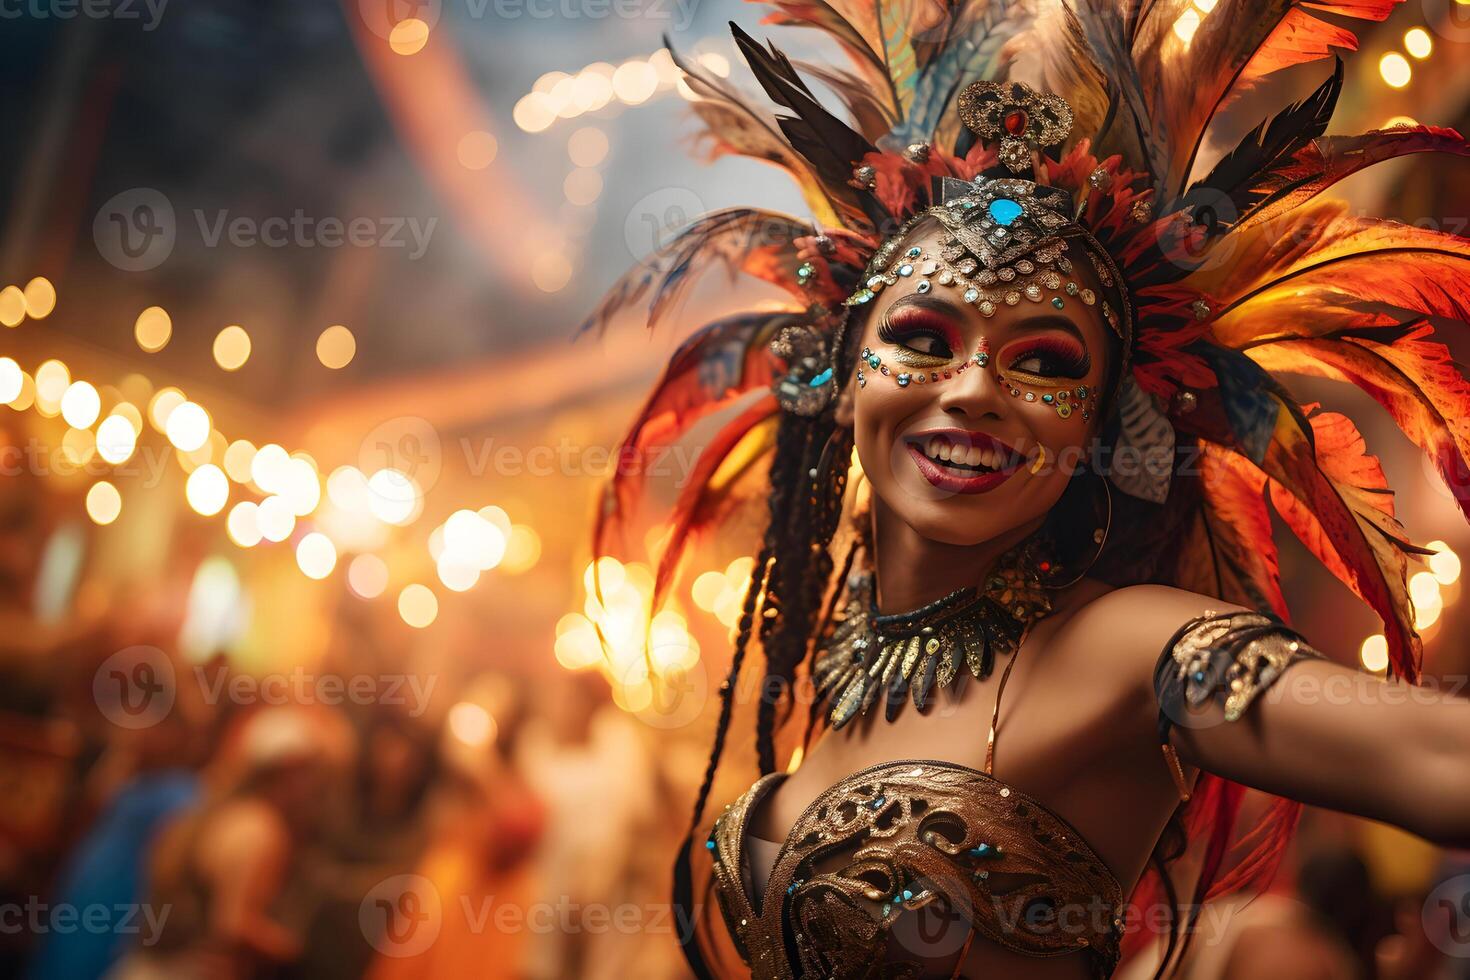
point(1071, 289)
point(1089, 297)
point(946, 278)
point(987, 308)
point(923, 286)
point(903, 380)
point(971, 295)
point(905, 270)
point(1033, 293)
point(915, 252)
point(1057, 302)
point(1012, 298)
point(928, 267)
point(1031, 396)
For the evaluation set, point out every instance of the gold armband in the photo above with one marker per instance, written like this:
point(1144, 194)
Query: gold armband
point(1229, 657)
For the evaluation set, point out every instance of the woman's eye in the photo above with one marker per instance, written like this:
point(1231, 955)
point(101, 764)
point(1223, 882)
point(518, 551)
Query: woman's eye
point(923, 343)
point(1053, 363)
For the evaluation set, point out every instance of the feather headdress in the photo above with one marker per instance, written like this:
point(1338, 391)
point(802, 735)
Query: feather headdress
point(1233, 277)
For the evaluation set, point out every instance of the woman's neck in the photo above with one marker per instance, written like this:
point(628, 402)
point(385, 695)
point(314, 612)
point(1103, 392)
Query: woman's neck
point(912, 570)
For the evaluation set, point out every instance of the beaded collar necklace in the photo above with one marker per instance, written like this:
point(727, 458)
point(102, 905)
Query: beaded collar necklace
point(908, 655)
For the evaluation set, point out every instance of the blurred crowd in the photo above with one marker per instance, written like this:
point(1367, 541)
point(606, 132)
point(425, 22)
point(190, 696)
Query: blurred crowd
point(163, 818)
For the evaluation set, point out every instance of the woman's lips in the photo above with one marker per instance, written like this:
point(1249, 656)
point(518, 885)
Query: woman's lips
point(957, 481)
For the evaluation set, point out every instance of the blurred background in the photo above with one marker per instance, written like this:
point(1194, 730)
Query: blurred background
point(299, 671)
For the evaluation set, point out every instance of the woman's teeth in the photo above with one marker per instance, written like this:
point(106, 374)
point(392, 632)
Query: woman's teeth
point(971, 457)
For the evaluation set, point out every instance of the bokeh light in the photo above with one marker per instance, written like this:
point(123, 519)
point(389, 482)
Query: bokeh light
point(336, 347)
point(418, 606)
point(232, 347)
point(207, 490)
point(104, 503)
point(153, 329)
point(316, 556)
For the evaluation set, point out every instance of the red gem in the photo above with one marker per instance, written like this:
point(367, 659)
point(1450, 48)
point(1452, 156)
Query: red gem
point(1015, 122)
point(1046, 566)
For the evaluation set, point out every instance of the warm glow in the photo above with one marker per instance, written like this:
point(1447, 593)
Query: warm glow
point(1186, 25)
point(522, 551)
point(1444, 564)
point(78, 446)
point(717, 63)
point(153, 329)
point(471, 724)
point(80, 404)
point(367, 576)
point(336, 347)
point(162, 406)
point(207, 490)
point(477, 150)
point(316, 555)
point(1426, 615)
point(533, 113)
point(270, 468)
point(12, 380)
point(231, 347)
point(1423, 588)
point(1395, 69)
point(116, 439)
point(243, 525)
point(300, 486)
point(104, 503)
point(187, 427)
point(275, 519)
point(408, 36)
point(634, 81)
point(27, 396)
point(12, 306)
point(393, 497)
point(1374, 653)
point(418, 606)
point(1418, 42)
point(239, 456)
point(52, 380)
point(588, 146)
point(40, 298)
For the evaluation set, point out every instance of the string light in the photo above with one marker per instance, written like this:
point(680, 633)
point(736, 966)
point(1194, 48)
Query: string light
point(316, 555)
point(12, 306)
point(408, 36)
point(418, 606)
point(40, 298)
point(336, 347)
point(1395, 69)
point(232, 347)
point(153, 329)
point(104, 503)
point(187, 426)
point(1418, 43)
point(1374, 653)
point(207, 490)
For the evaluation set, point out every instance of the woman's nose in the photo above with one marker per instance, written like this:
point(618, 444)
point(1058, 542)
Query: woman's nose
point(974, 392)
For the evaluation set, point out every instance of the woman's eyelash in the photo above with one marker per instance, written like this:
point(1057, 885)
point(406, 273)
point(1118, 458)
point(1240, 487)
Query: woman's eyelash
point(1053, 358)
point(911, 336)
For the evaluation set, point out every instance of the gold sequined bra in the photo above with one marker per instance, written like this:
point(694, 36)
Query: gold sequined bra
point(964, 852)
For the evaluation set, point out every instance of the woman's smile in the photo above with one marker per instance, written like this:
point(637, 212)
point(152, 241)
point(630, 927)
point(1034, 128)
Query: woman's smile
point(962, 462)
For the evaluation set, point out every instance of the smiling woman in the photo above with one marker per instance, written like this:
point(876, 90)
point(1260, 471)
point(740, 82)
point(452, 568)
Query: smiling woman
point(1049, 353)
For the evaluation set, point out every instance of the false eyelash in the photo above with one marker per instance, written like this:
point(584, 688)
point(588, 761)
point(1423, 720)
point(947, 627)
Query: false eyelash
point(1066, 358)
point(917, 326)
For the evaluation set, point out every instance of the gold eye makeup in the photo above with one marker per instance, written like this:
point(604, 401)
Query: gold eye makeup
point(1044, 370)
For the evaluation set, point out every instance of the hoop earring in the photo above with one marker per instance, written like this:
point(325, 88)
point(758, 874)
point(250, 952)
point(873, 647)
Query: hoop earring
point(1040, 460)
point(1099, 537)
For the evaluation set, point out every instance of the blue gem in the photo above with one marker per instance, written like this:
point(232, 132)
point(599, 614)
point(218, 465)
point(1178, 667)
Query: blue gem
point(1046, 398)
point(1199, 675)
point(1004, 210)
point(821, 379)
point(903, 380)
point(923, 286)
point(873, 361)
point(915, 252)
point(1057, 302)
point(985, 851)
point(907, 894)
point(971, 295)
point(710, 844)
point(905, 270)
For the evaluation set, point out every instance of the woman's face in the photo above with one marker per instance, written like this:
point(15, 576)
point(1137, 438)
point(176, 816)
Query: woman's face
point(963, 459)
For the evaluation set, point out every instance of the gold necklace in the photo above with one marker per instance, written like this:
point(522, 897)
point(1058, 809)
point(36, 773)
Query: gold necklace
point(903, 655)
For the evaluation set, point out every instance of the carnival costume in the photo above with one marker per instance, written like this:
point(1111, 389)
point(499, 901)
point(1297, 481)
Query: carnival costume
point(1044, 139)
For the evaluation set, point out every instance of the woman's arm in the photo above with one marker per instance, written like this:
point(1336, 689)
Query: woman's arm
point(1321, 733)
